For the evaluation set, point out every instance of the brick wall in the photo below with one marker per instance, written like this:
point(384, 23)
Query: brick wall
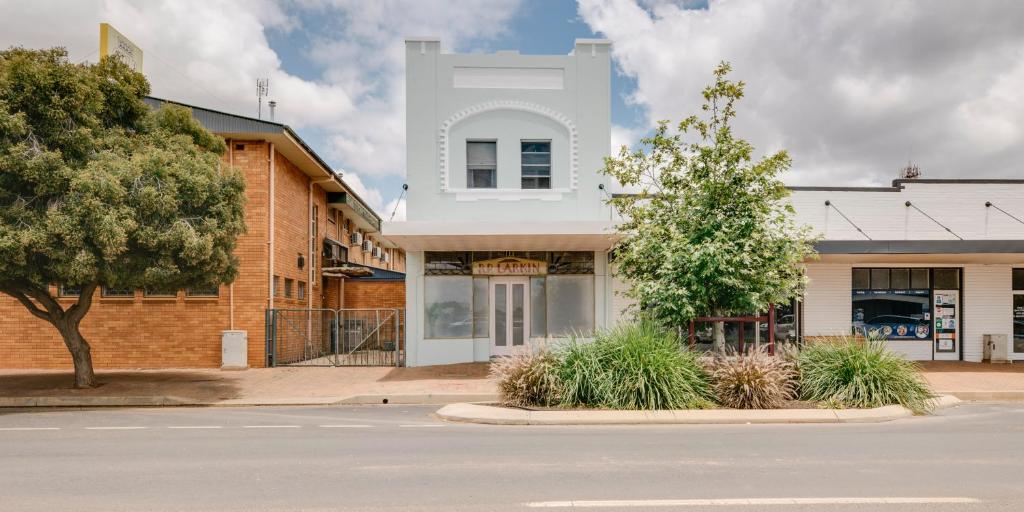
point(374, 294)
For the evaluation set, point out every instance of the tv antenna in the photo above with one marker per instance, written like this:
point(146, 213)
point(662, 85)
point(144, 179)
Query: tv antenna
point(262, 90)
point(910, 172)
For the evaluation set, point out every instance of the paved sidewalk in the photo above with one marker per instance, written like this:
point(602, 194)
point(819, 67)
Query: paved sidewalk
point(263, 386)
point(976, 381)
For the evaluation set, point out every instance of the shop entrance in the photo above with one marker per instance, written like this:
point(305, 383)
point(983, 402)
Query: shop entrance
point(510, 309)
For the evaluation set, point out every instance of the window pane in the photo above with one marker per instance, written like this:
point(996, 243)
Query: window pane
point(447, 263)
point(536, 146)
point(542, 171)
point(536, 158)
point(879, 278)
point(899, 278)
point(69, 291)
point(500, 315)
point(919, 278)
point(536, 183)
point(1018, 279)
point(117, 292)
point(570, 304)
point(884, 314)
point(481, 315)
point(208, 291)
point(481, 178)
point(518, 313)
point(154, 292)
point(482, 153)
point(448, 307)
point(861, 279)
point(538, 308)
point(947, 279)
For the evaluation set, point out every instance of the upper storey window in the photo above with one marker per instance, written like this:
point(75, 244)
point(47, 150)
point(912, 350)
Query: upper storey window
point(536, 164)
point(481, 164)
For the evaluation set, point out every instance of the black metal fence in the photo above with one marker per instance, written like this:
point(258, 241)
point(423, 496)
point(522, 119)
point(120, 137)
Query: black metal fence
point(335, 337)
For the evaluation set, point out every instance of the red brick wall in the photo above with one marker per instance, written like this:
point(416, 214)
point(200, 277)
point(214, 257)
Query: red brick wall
point(374, 294)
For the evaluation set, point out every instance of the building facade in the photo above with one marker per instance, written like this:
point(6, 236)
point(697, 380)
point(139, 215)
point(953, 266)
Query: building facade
point(300, 219)
point(507, 231)
point(931, 266)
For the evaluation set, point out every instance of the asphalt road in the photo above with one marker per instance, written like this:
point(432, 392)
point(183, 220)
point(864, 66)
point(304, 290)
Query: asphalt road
point(401, 458)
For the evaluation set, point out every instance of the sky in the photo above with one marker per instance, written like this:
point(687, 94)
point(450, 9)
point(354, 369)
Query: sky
point(852, 89)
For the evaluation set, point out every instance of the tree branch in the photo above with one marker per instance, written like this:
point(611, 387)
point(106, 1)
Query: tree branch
point(27, 302)
point(78, 310)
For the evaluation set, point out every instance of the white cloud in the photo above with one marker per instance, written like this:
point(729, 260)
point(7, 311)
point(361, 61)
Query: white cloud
point(211, 53)
point(852, 89)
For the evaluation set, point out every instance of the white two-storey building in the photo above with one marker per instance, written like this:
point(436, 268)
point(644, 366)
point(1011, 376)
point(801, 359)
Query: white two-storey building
point(507, 229)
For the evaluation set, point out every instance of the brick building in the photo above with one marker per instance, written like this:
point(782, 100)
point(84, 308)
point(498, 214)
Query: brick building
point(301, 218)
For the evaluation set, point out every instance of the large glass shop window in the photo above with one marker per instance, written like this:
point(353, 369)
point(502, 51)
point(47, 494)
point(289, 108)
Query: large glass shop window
point(448, 306)
point(1018, 310)
point(896, 303)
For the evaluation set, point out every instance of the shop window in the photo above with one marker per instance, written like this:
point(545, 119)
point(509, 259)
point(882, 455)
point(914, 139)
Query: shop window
point(448, 306)
point(1018, 279)
point(899, 278)
point(861, 279)
point(205, 291)
point(538, 307)
point(535, 160)
point(1018, 310)
point(570, 304)
point(120, 293)
point(879, 279)
point(481, 308)
point(481, 164)
point(947, 278)
point(920, 278)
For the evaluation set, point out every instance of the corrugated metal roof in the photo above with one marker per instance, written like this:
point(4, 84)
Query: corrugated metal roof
point(379, 274)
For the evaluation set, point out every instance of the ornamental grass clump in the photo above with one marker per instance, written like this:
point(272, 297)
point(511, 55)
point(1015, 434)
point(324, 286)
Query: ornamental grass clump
point(527, 378)
point(753, 381)
point(861, 374)
point(632, 366)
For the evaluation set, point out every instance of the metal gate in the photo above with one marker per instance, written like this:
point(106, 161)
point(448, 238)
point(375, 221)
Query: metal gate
point(335, 337)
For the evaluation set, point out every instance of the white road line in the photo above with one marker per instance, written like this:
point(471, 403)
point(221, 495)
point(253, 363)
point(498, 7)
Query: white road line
point(346, 426)
point(12, 429)
point(271, 426)
point(735, 502)
point(195, 426)
point(426, 425)
point(115, 428)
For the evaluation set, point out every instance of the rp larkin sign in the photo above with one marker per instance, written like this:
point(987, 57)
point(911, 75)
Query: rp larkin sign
point(510, 267)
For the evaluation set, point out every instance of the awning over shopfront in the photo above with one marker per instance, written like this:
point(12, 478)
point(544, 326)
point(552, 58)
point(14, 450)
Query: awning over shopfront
point(502, 236)
point(921, 251)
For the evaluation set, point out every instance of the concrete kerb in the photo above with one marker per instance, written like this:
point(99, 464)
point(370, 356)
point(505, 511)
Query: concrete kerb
point(493, 415)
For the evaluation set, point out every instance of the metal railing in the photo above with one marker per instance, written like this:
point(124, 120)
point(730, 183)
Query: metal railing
point(335, 337)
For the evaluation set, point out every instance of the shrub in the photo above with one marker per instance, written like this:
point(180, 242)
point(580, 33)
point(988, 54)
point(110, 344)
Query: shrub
point(632, 366)
point(753, 381)
point(861, 374)
point(527, 378)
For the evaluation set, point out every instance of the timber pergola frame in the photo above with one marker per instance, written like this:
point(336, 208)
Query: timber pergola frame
point(742, 321)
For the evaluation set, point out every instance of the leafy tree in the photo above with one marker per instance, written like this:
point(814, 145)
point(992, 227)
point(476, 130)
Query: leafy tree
point(98, 190)
point(710, 233)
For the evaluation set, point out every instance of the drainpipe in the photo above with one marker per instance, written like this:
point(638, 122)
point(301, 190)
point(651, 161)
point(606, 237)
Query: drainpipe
point(231, 287)
point(270, 240)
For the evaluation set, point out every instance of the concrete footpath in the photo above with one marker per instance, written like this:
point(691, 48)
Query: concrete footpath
point(260, 386)
point(494, 415)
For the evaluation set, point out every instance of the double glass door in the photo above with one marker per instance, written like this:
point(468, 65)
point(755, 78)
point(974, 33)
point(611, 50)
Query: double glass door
point(510, 309)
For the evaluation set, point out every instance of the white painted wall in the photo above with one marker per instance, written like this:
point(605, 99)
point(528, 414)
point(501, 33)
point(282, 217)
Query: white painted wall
point(883, 214)
point(987, 306)
point(827, 300)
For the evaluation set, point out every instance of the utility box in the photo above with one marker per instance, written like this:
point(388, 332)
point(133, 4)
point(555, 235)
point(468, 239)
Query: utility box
point(234, 350)
point(997, 348)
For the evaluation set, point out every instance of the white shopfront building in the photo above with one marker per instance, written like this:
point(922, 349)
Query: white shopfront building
point(508, 231)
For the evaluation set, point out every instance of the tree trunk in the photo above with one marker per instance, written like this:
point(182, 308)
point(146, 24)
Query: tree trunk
point(81, 355)
point(719, 345)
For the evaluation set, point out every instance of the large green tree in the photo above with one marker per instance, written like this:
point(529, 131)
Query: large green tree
point(710, 233)
point(96, 189)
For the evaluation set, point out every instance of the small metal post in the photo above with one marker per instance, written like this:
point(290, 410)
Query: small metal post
point(771, 329)
point(398, 340)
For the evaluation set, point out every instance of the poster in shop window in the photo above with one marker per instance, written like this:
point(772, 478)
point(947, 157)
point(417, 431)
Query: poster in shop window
point(946, 320)
point(893, 314)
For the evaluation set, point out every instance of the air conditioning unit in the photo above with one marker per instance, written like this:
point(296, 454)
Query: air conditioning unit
point(367, 246)
point(356, 238)
point(376, 252)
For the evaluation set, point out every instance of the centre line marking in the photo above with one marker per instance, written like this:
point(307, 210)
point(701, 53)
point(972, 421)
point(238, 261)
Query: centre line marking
point(12, 429)
point(195, 426)
point(115, 428)
point(271, 426)
point(421, 426)
point(346, 426)
point(736, 502)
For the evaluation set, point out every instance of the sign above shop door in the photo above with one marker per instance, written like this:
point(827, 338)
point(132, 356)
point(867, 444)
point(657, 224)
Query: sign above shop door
point(510, 266)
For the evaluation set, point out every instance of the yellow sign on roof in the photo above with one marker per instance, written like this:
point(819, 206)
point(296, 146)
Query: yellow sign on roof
point(114, 43)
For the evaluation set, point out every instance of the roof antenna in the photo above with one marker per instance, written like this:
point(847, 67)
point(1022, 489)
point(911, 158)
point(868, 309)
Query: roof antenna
point(262, 89)
point(910, 172)
point(272, 104)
